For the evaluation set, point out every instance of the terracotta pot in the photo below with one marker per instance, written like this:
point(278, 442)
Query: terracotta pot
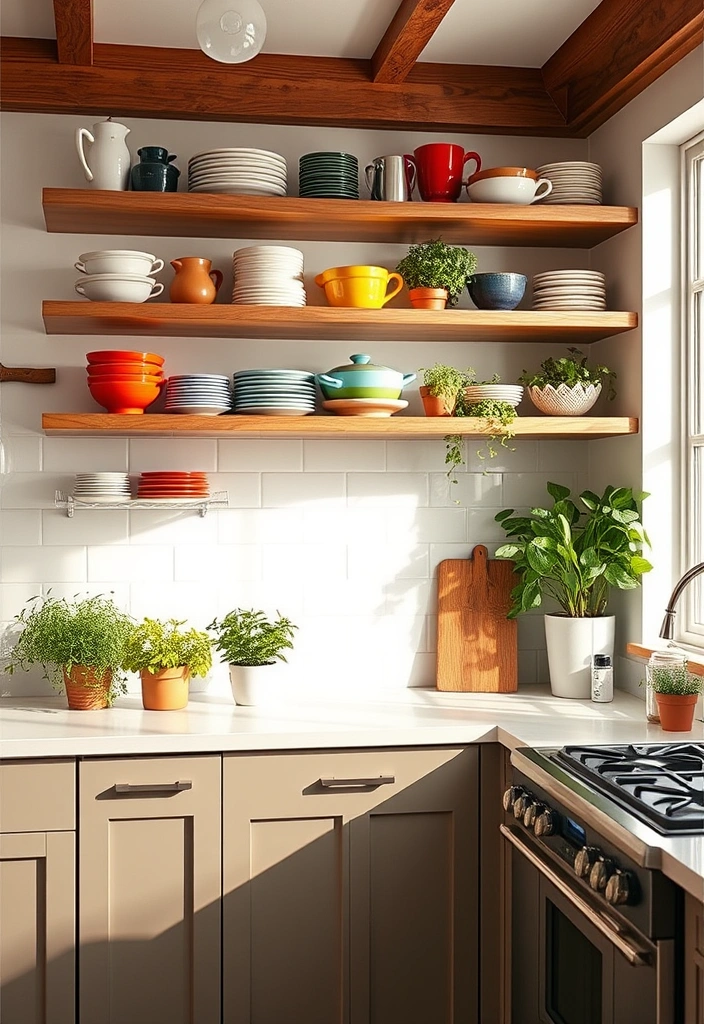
point(166, 690)
point(676, 711)
point(428, 298)
point(436, 405)
point(85, 691)
point(194, 281)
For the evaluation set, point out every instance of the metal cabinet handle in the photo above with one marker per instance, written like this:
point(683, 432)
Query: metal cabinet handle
point(154, 787)
point(607, 927)
point(377, 780)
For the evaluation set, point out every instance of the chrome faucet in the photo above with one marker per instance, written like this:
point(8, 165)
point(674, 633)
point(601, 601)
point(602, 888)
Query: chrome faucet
point(667, 630)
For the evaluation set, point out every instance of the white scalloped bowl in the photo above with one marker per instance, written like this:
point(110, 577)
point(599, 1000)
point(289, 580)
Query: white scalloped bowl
point(564, 400)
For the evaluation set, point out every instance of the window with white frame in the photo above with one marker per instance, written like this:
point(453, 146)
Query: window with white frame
point(692, 622)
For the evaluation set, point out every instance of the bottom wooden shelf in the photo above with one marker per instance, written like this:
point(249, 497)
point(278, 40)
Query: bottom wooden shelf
point(545, 427)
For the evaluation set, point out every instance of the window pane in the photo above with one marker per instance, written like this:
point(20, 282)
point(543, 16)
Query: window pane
point(699, 218)
point(697, 532)
point(697, 364)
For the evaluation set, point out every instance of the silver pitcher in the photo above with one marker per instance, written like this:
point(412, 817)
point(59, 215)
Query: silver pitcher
point(391, 178)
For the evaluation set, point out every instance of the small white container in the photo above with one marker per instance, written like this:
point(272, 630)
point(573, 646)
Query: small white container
point(509, 189)
point(119, 261)
point(118, 287)
point(602, 679)
point(564, 400)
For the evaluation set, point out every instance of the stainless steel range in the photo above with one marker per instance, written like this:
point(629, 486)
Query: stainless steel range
point(594, 923)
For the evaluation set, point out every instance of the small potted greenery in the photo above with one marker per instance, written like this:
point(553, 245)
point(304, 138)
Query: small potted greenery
point(436, 273)
point(80, 645)
point(440, 388)
point(499, 417)
point(166, 657)
point(567, 386)
point(676, 693)
point(254, 648)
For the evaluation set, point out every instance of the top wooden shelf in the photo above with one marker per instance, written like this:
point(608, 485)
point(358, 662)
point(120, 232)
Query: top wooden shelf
point(187, 214)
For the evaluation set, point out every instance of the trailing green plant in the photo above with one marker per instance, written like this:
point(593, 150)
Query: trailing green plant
point(445, 381)
point(575, 556)
point(435, 264)
point(500, 417)
point(156, 645)
point(247, 637)
point(675, 680)
point(570, 370)
point(59, 634)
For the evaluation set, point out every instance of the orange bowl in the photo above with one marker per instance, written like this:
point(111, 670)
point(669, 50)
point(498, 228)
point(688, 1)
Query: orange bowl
point(122, 356)
point(124, 396)
point(127, 378)
point(102, 369)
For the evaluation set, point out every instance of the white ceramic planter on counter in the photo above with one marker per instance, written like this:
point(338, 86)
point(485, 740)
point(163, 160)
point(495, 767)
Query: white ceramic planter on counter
point(571, 645)
point(260, 686)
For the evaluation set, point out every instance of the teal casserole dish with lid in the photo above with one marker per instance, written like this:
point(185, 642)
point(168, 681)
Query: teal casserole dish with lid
point(362, 379)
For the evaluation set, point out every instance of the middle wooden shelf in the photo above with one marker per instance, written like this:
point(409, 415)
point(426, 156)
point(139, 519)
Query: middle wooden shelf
point(323, 323)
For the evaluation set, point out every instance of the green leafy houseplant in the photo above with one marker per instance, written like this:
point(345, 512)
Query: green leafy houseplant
point(445, 381)
point(675, 681)
point(61, 635)
point(570, 370)
point(434, 264)
point(156, 645)
point(247, 637)
point(573, 555)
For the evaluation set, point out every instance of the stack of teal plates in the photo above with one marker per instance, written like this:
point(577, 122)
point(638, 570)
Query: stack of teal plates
point(328, 176)
point(274, 392)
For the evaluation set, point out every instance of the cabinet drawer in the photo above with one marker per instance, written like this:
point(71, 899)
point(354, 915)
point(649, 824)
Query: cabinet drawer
point(37, 796)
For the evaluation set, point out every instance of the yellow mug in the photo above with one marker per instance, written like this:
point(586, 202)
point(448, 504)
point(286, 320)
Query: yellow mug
point(360, 287)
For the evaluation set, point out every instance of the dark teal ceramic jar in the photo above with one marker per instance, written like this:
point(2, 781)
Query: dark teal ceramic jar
point(154, 172)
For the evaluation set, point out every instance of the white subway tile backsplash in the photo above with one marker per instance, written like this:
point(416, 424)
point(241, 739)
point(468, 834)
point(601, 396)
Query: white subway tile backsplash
point(260, 455)
point(197, 605)
point(563, 456)
point(243, 489)
point(425, 525)
point(330, 525)
point(94, 526)
point(482, 527)
point(260, 526)
point(20, 527)
point(526, 490)
point(117, 592)
point(171, 526)
point(527, 668)
point(38, 564)
point(217, 563)
point(517, 456)
point(131, 564)
point(362, 596)
point(413, 596)
point(342, 456)
point(531, 632)
point(387, 562)
point(390, 490)
point(164, 453)
point(297, 562)
point(416, 456)
point(439, 552)
point(282, 596)
point(13, 598)
point(431, 632)
point(470, 490)
point(306, 489)
point(31, 490)
point(23, 453)
point(85, 454)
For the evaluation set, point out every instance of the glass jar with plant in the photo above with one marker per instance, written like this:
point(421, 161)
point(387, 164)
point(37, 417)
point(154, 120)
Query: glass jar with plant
point(676, 691)
point(166, 657)
point(574, 556)
point(440, 388)
point(253, 646)
point(80, 644)
point(435, 273)
point(567, 386)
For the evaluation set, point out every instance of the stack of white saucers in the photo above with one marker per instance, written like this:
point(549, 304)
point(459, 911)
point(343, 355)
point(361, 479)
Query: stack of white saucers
point(569, 289)
point(198, 394)
point(246, 172)
point(274, 392)
point(573, 181)
point(509, 393)
point(268, 275)
point(101, 488)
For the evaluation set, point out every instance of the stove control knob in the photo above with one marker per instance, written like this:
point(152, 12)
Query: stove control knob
point(511, 795)
point(546, 822)
point(521, 805)
point(532, 812)
point(621, 888)
point(601, 871)
point(584, 861)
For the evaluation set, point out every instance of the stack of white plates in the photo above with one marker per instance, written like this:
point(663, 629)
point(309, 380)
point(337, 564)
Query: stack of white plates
point(200, 394)
point(274, 392)
point(268, 275)
point(573, 181)
point(246, 172)
point(569, 289)
point(509, 393)
point(101, 488)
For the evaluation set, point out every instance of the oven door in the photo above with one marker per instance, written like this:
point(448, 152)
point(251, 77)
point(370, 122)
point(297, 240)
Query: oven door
point(571, 963)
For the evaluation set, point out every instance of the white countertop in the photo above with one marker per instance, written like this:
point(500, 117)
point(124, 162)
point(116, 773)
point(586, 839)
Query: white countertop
point(43, 727)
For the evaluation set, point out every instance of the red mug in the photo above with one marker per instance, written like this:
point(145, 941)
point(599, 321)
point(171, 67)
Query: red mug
point(439, 167)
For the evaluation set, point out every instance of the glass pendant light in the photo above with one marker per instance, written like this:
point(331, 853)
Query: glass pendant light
point(231, 31)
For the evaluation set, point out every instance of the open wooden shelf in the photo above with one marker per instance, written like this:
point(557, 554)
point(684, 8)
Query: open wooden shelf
point(545, 427)
point(322, 323)
point(189, 214)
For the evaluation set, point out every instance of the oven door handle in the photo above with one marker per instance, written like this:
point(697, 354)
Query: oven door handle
point(635, 956)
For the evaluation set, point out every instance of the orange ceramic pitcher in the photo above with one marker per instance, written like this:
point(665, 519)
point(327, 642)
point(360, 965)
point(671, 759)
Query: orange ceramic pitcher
point(194, 280)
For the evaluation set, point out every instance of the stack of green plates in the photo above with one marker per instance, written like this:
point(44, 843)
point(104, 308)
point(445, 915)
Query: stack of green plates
point(329, 176)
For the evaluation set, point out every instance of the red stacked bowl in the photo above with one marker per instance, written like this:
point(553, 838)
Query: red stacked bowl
point(173, 485)
point(125, 382)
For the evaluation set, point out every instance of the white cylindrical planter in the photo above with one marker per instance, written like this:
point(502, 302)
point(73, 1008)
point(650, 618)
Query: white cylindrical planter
point(260, 685)
point(571, 644)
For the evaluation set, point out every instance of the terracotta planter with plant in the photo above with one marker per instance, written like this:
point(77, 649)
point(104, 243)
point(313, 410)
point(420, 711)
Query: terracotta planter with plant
point(676, 693)
point(567, 386)
point(80, 645)
point(428, 298)
point(166, 657)
point(441, 386)
point(436, 273)
point(253, 647)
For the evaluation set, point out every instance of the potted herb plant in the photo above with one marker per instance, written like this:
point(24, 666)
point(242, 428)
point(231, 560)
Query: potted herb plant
point(676, 693)
point(80, 644)
point(253, 646)
point(435, 273)
point(440, 388)
point(574, 557)
point(567, 386)
point(166, 657)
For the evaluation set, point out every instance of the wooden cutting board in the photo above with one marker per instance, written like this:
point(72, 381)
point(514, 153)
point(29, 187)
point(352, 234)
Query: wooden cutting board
point(477, 644)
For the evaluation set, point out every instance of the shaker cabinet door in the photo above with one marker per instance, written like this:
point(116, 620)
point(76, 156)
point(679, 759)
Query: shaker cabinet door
point(149, 891)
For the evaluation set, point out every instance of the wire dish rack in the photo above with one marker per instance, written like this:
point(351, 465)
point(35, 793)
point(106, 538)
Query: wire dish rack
point(219, 499)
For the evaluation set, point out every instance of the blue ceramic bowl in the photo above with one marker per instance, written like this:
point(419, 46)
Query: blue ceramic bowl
point(496, 291)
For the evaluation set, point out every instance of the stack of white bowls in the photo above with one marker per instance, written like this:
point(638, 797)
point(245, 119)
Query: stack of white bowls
point(198, 394)
point(118, 275)
point(509, 393)
point(245, 172)
point(573, 181)
point(569, 289)
point(268, 275)
point(101, 488)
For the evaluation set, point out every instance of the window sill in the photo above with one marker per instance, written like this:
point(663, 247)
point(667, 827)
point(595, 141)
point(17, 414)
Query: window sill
point(696, 661)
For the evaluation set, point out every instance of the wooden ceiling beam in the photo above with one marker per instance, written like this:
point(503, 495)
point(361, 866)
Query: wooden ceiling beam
point(616, 53)
point(74, 31)
point(140, 81)
point(406, 37)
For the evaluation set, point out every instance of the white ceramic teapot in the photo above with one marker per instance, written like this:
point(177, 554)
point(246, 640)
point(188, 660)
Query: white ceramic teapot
point(110, 159)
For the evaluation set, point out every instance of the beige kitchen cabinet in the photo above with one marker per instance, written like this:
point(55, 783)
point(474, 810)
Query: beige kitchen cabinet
point(694, 961)
point(149, 890)
point(346, 902)
point(37, 892)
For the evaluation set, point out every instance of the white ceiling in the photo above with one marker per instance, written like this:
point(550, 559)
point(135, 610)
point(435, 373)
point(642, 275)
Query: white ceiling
point(508, 32)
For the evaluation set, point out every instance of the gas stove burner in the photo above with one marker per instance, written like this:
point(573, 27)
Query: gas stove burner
point(662, 783)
